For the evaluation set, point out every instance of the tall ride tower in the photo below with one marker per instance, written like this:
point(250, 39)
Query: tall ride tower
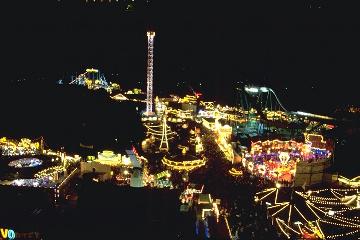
point(149, 89)
point(164, 144)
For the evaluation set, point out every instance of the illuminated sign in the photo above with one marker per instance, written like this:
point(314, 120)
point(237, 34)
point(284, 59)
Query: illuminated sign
point(162, 174)
point(6, 233)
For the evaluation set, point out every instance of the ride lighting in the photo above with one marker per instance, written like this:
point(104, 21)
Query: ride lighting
point(313, 115)
point(252, 89)
point(331, 212)
point(256, 89)
point(264, 89)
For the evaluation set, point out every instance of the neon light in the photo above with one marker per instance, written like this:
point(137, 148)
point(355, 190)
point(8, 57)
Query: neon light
point(266, 190)
point(279, 210)
point(25, 163)
point(7, 233)
point(354, 182)
point(328, 212)
point(301, 214)
point(252, 89)
point(227, 225)
point(262, 169)
point(278, 205)
point(282, 230)
point(149, 89)
point(280, 157)
point(300, 229)
point(266, 195)
point(312, 210)
point(184, 165)
point(235, 172)
point(313, 115)
point(290, 213)
point(70, 175)
point(264, 89)
point(288, 227)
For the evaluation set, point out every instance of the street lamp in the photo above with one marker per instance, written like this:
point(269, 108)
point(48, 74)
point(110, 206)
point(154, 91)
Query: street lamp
point(298, 223)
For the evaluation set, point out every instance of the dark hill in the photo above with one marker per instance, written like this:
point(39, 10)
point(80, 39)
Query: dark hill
point(67, 116)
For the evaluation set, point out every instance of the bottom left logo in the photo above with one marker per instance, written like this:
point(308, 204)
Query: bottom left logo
point(7, 233)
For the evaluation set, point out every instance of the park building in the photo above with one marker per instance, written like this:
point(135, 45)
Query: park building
point(107, 157)
point(209, 123)
point(108, 164)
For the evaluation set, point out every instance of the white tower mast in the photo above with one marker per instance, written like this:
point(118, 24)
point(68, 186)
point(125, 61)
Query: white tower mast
point(149, 89)
point(164, 144)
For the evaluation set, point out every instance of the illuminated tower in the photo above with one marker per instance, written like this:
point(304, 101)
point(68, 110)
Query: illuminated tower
point(149, 89)
point(164, 144)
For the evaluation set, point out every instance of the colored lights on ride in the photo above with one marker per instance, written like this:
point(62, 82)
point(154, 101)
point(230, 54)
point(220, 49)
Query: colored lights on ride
point(256, 89)
point(50, 173)
point(276, 159)
point(183, 165)
point(25, 163)
point(354, 182)
point(262, 169)
point(234, 172)
point(322, 210)
point(243, 161)
point(16, 148)
point(39, 182)
point(251, 166)
point(284, 158)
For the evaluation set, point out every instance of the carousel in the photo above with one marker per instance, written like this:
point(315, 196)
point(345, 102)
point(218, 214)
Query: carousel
point(276, 160)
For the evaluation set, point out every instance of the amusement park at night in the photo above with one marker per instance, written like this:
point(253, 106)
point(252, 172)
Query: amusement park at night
point(158, 127)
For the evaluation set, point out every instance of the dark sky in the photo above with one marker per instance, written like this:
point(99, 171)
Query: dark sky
point(310, 47)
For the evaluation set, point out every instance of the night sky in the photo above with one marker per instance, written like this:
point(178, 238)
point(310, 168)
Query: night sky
point(309, 47)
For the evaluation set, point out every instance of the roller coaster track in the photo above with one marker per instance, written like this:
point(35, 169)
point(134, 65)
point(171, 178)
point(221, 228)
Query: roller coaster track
point(265, 99)
point(81, 80)
point(277, 99)
point(259, 98)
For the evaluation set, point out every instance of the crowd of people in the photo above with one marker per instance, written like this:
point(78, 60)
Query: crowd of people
point(249, 221)
point(246, 219)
